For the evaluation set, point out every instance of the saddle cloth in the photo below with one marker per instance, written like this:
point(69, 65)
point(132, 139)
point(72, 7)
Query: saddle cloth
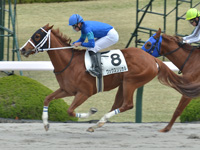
point(112, 61)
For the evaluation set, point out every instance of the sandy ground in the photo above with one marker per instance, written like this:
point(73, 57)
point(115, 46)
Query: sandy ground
point(112, 136)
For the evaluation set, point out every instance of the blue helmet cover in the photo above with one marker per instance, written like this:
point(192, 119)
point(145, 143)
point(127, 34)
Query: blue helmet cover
point(75, 19)
point(155, 46)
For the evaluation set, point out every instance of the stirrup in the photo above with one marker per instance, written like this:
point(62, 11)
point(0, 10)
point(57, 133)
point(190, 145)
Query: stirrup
point(94, 72)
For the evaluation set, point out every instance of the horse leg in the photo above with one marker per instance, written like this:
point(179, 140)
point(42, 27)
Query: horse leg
point(181, 106)
point(118, 98)
point(55, 95)
point(126, 105)
point(78, 100)
point(88, 114)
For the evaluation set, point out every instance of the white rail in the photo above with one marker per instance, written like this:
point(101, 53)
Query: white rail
point(26, 65)
point(44, 65)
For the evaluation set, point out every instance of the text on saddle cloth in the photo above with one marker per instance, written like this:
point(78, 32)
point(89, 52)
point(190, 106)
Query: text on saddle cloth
point(112, 62)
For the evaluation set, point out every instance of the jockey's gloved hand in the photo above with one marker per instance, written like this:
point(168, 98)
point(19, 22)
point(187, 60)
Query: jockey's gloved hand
point(181, 43)
point(185, 41)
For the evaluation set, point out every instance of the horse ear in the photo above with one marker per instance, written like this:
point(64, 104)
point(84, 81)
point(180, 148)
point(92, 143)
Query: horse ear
point(159, 31)
point(51, 27)
point(157, 34)
point(47, 27)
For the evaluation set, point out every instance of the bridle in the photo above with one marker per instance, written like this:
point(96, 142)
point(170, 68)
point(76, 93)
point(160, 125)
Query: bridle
point(155, 46)
point(40, 45)
point(43, 45)
point(181, 45)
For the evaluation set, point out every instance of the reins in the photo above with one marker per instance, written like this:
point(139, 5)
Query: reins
point(180, 71)
point(59, 72)
point(172, 51)
point(180, 45)
point(57, 48)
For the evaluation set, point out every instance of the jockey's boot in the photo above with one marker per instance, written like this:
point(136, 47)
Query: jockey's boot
point(95, 70)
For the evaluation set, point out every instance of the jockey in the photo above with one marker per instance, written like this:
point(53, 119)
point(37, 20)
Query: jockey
point(193, 16)
point(99, 35)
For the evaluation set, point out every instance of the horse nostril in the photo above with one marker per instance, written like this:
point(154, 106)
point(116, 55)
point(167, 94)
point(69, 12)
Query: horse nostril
point(22, 50)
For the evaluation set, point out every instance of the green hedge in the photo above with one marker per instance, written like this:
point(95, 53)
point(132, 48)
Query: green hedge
point(191, 112)
point(44, 1)
point(23, 98)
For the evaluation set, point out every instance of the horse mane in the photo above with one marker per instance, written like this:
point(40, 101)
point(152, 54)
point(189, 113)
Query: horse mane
point(178, 40)
point(175, 38)
point(63, 38)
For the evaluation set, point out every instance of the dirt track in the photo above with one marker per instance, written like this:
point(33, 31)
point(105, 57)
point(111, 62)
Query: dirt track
point(115, 136)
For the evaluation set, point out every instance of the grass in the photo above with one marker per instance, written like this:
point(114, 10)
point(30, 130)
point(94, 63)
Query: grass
point(159, 101)
point(23, 97)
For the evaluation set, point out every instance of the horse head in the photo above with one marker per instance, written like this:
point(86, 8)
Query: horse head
point(153, 44)
point(38, 40)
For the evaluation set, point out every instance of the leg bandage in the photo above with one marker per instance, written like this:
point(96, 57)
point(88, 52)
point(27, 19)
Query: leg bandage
point(82, 115)
point(109, 115)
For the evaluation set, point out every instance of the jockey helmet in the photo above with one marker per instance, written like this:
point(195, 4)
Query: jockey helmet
point(192, 13)
point(75, 19)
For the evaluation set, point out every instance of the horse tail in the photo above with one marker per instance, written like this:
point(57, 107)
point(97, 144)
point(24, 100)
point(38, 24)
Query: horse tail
point(181, 83)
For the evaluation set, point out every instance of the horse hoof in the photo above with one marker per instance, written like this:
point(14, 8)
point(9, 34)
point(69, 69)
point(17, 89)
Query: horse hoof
point(100, 124)
point(46, 127)
point(164, 130)
point(90, 129)
point(93, 110)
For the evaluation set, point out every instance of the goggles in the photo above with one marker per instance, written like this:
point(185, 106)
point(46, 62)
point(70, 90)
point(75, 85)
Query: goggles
point(74, 26)
point(191, 21)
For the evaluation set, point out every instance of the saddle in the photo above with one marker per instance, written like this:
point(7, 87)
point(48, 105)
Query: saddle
point(110, 62)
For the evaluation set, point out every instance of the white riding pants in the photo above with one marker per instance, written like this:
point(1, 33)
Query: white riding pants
point(110, 39)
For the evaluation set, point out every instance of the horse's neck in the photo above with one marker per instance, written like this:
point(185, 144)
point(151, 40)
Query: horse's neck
point(178, 57)
point(176, 60)
point(59, 58)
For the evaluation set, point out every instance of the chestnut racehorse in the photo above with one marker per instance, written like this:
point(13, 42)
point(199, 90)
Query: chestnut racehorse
point(73, 79)
point(184, 56)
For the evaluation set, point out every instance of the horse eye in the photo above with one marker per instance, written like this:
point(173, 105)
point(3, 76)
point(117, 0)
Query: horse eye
point(37, 37)
point(148, 44)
